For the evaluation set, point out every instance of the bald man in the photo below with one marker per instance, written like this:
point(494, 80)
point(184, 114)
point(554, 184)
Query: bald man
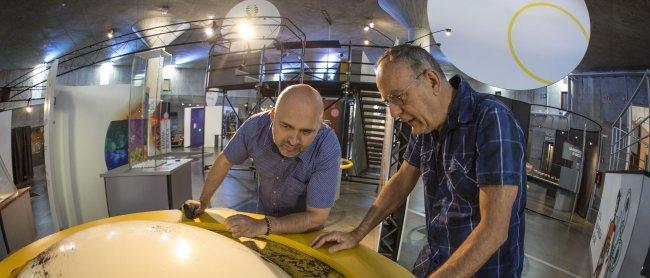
point(297, 159)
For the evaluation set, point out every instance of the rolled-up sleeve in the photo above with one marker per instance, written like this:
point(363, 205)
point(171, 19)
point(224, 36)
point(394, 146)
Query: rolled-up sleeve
point(500, 146)
point(238, 148)
point(325, 179)
point(413, 149)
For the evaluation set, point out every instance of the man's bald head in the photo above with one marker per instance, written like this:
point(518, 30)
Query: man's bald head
point(296, 118)
point(301, 95)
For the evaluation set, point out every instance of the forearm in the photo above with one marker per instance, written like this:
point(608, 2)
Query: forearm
point(215, 177)
point(296, 223)
point(472, 254)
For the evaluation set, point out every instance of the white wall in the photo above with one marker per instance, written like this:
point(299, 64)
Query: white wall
point(82, 115)
point(212, 124)
point(5, 141)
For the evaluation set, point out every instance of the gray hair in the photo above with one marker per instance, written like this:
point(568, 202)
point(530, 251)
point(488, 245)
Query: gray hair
point(416, 57)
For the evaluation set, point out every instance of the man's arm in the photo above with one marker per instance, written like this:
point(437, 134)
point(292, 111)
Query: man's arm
point(392, 196)
point(243, 226)
point(215, 177)
point(495, 204)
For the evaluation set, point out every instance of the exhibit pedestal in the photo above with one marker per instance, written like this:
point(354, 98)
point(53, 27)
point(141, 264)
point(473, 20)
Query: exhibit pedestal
point(137, 190)
point(563, 201)
point(16, 222)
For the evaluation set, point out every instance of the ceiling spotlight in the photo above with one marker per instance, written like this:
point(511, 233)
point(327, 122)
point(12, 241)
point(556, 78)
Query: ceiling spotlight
point(371, 24)
point(209, 31)
point(110, 33)
point(366, 42)
point(164, 10)
point(245, 29)
point(366, 28)
point(448, 31)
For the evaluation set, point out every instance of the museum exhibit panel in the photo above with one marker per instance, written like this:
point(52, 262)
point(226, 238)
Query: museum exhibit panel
point(114, 114)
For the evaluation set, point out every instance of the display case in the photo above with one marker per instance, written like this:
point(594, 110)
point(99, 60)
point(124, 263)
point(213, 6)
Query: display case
point(149, 128)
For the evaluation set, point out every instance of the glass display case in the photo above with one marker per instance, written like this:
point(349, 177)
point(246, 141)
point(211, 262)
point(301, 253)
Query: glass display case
point(7, 187)
point(149, 124)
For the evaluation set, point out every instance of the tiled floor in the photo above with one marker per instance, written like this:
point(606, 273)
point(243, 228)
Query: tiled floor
point(553, 248)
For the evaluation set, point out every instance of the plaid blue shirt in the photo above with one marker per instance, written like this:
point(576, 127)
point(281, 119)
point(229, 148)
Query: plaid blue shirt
point(287, 184)
point(480, 144)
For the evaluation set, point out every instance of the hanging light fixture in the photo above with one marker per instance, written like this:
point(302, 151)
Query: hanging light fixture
point(28, 108)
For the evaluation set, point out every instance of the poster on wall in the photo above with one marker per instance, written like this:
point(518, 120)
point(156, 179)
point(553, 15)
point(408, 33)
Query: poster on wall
point(116, 147)
point(165, 134)
point(614, 223)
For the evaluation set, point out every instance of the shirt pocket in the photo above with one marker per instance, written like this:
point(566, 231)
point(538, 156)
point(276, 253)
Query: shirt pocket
point(459, 169)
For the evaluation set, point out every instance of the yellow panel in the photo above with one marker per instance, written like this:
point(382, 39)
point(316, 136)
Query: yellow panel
point(356, 262)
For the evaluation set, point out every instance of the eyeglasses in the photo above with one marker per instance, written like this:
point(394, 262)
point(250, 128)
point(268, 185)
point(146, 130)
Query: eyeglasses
point(397, 96)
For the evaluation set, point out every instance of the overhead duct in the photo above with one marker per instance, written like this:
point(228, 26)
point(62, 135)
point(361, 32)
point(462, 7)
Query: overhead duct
point(169, 29)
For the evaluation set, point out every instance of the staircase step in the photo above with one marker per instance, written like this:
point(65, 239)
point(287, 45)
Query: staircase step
point(365, 94)
point(373, 102)
point(372, 110)
point(380, 130)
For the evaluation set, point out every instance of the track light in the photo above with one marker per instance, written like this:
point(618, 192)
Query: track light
point(366, 28)
point(366, 42)
point(448, 31)
point(371, 24)
point(110, 34)
point(164, 10)
point(209, 31)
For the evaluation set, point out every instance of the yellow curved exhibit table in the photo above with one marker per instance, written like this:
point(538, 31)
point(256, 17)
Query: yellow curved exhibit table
point(356, 262)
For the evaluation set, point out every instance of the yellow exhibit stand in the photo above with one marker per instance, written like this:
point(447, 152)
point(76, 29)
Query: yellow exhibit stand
point(357, 262)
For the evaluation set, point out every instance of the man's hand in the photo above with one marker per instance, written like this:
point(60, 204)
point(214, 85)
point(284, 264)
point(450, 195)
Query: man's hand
point(244, 226)
point(344, 240)
point(193, 208)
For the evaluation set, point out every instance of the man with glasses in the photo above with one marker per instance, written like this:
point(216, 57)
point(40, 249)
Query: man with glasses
point(469, 150)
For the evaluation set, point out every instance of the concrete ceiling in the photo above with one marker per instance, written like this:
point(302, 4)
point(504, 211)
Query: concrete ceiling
point(34, 31)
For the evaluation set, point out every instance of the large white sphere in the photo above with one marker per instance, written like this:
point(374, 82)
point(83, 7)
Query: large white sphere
point(149, 249)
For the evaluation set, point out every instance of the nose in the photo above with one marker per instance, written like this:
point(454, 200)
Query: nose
point(395, 110)
point(294, 138)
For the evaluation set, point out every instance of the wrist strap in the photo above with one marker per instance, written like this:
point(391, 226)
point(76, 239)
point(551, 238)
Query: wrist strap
point(268, 226)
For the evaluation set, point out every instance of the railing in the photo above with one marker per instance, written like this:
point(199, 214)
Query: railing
point(625, 130)
point(134, 42)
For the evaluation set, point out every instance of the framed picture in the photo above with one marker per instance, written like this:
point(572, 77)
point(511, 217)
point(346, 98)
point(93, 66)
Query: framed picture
point(167, 85)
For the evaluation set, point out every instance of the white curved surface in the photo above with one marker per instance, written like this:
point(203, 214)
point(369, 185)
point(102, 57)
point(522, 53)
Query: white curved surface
point(149, 249)
point(255, 10)
point(512, 44)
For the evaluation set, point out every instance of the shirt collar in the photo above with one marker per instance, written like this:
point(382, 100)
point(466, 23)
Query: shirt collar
point(461, 110)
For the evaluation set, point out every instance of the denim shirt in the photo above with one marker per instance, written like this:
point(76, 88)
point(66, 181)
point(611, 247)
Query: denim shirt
point(288, 184)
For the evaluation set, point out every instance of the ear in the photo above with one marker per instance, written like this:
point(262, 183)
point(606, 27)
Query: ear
point(272, 114)
point(434, 77)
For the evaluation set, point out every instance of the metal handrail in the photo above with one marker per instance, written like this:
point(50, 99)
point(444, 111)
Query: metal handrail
point(623, 139)
point(135, 36)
